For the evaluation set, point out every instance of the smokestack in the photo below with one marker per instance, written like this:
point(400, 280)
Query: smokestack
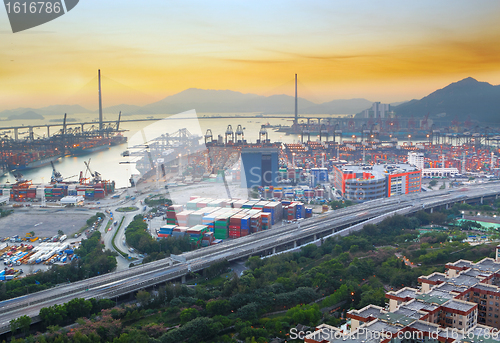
point(296, 106)
point(100, 102)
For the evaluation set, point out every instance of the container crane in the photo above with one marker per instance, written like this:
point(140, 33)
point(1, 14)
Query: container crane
point(96, 175)
point(56, 176)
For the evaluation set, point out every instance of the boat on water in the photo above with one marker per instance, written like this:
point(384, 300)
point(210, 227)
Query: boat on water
point(96, 144)
point(30, 161)
point(271, 126)
point(87, 148)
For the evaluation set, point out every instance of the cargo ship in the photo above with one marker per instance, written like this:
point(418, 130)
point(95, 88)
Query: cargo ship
point(89, 147)
point(25, 161)
point(95, 144)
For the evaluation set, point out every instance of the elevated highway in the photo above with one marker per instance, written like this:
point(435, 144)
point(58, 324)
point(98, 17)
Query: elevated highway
point(278, 239)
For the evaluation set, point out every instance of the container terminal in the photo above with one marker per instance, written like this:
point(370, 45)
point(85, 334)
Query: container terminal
point(180, 158)
point(34, 152)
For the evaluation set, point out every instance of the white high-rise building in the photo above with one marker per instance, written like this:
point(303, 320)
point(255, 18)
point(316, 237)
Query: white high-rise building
point(378, 110)
point(416, 159)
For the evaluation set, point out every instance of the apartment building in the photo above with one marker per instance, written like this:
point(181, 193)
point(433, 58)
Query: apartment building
point(461, 305)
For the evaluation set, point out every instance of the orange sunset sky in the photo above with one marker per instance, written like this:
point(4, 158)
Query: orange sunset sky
point(379, 50)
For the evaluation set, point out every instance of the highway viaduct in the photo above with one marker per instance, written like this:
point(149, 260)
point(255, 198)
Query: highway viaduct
point(282, 238)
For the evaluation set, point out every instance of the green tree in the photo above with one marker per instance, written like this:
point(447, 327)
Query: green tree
point(14, 325)
point(78, 308)
point(304, 314)
point(248, 312)
point(218, 307)
point(24, 323)
point(188, 314)
point(143, 298)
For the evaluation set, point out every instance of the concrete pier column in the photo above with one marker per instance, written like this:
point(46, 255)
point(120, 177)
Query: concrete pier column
point(274, 250)
point(183, 279)
point(447, 206)
point(432, 209)
point(482, 198)
point(48, 131)
point(16, 134)
point(294, 244)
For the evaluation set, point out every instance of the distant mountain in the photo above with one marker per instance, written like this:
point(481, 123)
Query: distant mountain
point(26, 116)
point(61, 109)
point(46, 111)
point(223, 101)
point(125, 109)
point(214, 101)
point(226, 101)
point(343, 106)
point(466, 98)
point(398, 103)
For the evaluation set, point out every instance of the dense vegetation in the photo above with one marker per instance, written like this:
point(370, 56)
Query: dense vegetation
point(94, 218)
point(5, 213)
point(72, 310)
point(275, 294)
point(337, 204)
point(92, 260)
point(157, 200)
point(138, 237)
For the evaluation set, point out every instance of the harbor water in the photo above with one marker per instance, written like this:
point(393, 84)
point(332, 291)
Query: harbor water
point(110, 162)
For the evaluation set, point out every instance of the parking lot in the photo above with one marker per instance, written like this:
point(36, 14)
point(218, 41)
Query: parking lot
point(43, 223)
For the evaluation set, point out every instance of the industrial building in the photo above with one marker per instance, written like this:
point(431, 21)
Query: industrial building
point(417, 159)
point(369, 182)
point(260, 167)
point(461, 305)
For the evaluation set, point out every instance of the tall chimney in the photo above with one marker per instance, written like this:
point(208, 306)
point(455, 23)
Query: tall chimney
point(100, 102)
point(296, 106)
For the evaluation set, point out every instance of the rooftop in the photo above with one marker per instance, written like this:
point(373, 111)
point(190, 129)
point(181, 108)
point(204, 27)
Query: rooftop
point(487, 264)
point(408, 312)
point(368, 311)
point(379, 326)
point(379, 171)
point(432, 299)
point(424, 326)
point(420, 305)
point(448, 287)
point(459, 305)
point(397, 318)
point(486, 287)
point(435, 277)
point(476, 273)
point(461, 263)
point(440, 294)
point(463, 280)
point(405, 293)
